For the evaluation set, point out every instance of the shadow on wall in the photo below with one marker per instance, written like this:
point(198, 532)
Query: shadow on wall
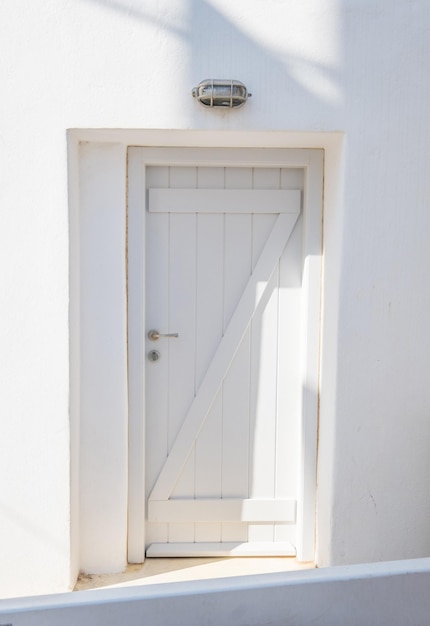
point(279, 57)
point(283, 61)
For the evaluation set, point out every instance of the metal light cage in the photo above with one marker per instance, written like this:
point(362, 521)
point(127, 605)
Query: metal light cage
point(221, 93)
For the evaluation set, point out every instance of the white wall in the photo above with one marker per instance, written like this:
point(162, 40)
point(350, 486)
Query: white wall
point(394, 593)
point(358, 67)
point(101, 450)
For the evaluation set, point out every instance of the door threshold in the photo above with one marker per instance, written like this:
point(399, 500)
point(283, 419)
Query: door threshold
point(169, 570)
point(222, 549)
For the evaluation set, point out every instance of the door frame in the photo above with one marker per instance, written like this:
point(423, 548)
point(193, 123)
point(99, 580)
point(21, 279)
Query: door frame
point(312, 162)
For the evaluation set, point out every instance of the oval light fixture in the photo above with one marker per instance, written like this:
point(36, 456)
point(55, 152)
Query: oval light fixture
point(215, 92)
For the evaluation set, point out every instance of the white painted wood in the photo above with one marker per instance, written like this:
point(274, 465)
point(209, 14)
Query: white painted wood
point(180, 352)
point(219, 156)
point(182, 309)
point(235, 428)
point(235, 432)
point(223, 201)
point(209, 329)
point(207, 531)
point(178, 550)
point(211, 261)
point(263, 378)
point(289, 392)
point(180, 532)
point(229, 344)
point(234, 531)
point(209, 289)
point(225, 510)
point(268, 178)
point(310, 353)
point(182, 319)
point(157, 316)
point(238, 177)
point(208, 461)
point(264, 381)
point(237, 261)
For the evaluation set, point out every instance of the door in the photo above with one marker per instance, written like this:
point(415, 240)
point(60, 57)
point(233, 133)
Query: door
point(224, 318)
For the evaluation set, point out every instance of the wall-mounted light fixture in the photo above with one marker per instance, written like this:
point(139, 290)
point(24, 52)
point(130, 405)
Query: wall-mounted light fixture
point(221, 93)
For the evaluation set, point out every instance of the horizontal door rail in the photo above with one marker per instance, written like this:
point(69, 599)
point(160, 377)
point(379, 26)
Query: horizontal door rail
point(224, 201)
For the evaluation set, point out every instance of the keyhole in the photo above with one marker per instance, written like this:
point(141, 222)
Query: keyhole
point(153, 355)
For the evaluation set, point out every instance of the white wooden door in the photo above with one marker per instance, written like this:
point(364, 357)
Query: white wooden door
point(224, 259)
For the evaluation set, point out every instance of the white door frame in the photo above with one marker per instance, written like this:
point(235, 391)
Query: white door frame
point(312, 162)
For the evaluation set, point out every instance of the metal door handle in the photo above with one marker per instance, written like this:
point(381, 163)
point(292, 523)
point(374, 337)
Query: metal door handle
point(153, 335)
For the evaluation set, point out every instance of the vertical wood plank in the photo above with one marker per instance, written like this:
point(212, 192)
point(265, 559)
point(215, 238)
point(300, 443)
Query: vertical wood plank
point(290, 344)
point(210, 177)
point(289, 387)
point(234, 531)
point(238, 252)
point(209, 327)
point(310, 362)
point(263, 406)
point(182, 319)
point(264, 355)
point(235, 442)
point(182, 309)
point(182, 532)
point(266, 178)
point(209, 302)
point(157, 280)
point(157, 317)
point(235, 433)
point(289, 402)
point(208, 461)
point(208, 468)
point(238, 177)
point(292, 178)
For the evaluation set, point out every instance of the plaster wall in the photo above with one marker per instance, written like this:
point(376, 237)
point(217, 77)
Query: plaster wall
point(355, 67)
point(392, 593)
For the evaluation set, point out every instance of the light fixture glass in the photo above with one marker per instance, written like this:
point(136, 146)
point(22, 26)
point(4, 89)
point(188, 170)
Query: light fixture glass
point(216, 92)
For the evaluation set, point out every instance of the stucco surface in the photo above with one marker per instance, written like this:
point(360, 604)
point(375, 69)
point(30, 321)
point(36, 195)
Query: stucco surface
point(355, 67)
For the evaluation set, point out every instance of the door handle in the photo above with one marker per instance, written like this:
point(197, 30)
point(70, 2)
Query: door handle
point(153, 335)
